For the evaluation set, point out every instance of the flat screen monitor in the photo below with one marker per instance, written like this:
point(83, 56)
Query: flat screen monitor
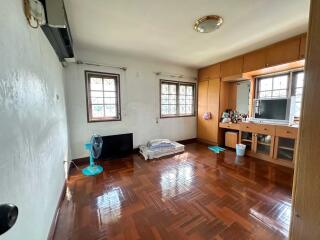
point(273, 109)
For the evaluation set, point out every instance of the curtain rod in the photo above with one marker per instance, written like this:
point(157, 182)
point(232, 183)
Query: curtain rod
point(173, 75)
point(79, 62)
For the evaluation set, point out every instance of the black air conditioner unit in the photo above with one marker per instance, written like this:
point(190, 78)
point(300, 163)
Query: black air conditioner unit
point(57, 28)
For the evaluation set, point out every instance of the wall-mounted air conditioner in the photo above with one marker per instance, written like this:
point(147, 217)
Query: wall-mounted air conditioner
point(57, 28)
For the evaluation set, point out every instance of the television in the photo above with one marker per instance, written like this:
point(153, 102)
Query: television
point(272, 109)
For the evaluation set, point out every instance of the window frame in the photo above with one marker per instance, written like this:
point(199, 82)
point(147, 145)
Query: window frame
point(88, 74)
point(178, 83)
point(294, 89)
point(288, 89)
point(291, 87)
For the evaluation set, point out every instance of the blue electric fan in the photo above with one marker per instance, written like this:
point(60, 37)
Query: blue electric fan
point(94, 147)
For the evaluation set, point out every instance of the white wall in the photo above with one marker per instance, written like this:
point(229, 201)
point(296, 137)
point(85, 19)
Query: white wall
point(33, 126)
point(139, 88)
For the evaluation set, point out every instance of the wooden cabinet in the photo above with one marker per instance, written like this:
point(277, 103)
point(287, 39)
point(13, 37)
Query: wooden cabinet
point(286, 132)
point(280, 53)
point(285, 145)
point(202, 108)
point(303, 43)
point(247, 138)
point(247, 127)
point(263, 145)
point(265, 129)
point(208, 102)
point(273, 143)
point(213, 107)
point(259, 139)
point(254, 60)
point(233, 126)
point(232, 67)
point(210, 72)
point(285, 149)
point(283, 52)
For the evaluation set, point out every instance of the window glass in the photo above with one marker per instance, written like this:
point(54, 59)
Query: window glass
point(103, 96)
point(298, 79)
point(177, 99)
point(273, 87)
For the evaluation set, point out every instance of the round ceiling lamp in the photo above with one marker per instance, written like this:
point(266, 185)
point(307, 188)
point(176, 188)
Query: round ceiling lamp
point(208, 23)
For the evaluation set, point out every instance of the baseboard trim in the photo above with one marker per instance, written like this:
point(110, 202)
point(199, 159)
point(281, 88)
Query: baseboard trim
point(85, 160)
point(187, 141)
point(79, 161)
point(56, 214)
point(206, 142)
point(136, 150)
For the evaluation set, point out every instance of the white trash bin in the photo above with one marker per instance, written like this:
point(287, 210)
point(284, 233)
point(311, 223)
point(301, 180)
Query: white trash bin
point(240, 149)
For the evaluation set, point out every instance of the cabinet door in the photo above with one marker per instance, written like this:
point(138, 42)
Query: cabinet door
point(247, 138)
point(303, 44)
point(232, 67)
point(264, 144)
point(213, 107)
point(284, 149)
point(255, 60)
point(210, 72)
point(283, 52)
point(202, 108)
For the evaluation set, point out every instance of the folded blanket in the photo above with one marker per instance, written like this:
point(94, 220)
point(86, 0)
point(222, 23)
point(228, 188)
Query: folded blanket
point(160, 143)
point(161, 146)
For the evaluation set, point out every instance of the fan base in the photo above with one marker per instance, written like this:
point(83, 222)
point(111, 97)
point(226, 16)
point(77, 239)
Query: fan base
point(92, 170)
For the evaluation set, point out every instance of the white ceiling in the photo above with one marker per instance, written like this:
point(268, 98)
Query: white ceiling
point(163, 29)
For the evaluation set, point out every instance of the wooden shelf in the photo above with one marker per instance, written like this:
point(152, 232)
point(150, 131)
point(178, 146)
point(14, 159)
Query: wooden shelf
point(266, 144)
point(286, 148)
point(246, 140)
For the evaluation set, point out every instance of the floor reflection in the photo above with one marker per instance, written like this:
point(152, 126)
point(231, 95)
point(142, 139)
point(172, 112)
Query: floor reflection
point(239, 161)
point(274, 213)
point(175, 181)
point(68, 195)
point(253, 168)
point(109, 206)
point(277, 217)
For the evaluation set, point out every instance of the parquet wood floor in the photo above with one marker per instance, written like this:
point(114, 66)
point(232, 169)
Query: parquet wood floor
point(194, 195)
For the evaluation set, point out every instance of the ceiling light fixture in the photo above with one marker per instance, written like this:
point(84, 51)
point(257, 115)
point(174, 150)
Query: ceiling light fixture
point(208, 23)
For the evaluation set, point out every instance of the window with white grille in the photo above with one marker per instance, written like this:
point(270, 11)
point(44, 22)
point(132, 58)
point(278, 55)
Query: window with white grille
point(177, 99)
point(103, 96)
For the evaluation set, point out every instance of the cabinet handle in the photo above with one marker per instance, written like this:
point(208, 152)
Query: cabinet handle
point(265, 129)
point(288, 132)
point(247, 127)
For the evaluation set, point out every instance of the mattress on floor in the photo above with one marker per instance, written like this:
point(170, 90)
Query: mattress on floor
point(148, 153)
